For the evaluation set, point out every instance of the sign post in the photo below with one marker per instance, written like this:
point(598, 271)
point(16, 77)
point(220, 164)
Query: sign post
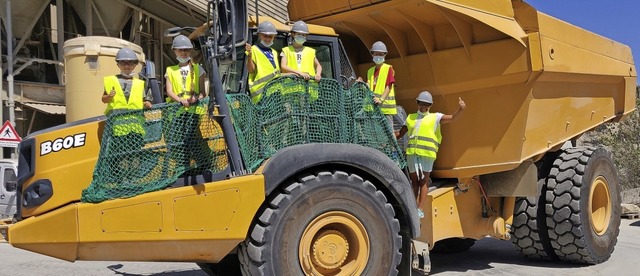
point(9, 136)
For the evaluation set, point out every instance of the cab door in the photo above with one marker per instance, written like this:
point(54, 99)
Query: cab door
point(8, 191)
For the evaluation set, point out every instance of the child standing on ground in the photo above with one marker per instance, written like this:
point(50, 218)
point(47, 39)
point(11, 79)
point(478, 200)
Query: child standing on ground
point(424, 140)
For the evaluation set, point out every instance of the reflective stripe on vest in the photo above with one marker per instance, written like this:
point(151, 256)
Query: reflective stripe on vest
point(191, 88)
point(264, 72)
point(426, 140)
point(388, 107)
point(307, 65)
point(129, 121)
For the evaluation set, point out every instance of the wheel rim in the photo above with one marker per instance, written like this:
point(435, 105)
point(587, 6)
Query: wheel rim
point(600, 205)
point(334, 243)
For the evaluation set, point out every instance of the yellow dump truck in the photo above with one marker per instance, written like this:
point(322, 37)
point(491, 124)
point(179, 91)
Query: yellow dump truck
point(339, 203)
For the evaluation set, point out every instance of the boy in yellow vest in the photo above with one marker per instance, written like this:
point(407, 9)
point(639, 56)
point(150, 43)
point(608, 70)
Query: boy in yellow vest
point(299, 59)
point(124, 95)
point(262, 60)
point(381, 80)
point(424, 139)
point(185, 85)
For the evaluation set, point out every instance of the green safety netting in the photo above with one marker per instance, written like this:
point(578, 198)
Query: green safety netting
point(293, 111)
point(148, 150)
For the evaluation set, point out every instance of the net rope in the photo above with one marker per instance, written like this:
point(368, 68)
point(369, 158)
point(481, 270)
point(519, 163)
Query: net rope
point(148, 150)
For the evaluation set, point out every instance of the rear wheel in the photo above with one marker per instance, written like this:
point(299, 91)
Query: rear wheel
point(583, 199)
point(325, 224)
point(529, 229)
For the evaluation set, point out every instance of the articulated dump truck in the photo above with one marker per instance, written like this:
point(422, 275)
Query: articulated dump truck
point(312, 182)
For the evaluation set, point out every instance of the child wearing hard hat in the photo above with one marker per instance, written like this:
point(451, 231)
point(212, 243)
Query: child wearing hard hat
point(424, 139)
point(184, 83)
point(299, 59)
point(125, 97)
point(262, 60)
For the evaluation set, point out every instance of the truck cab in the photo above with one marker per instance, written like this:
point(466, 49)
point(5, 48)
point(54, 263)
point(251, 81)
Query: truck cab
point(8, 169)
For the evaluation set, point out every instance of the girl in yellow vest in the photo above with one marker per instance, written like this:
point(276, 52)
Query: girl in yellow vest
point(185, 85)
point(124, 95)
point(381, 80)
point(424, 140)
point(299, 59)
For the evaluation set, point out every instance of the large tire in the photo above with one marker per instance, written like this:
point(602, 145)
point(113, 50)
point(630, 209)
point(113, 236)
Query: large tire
point(325, 224)
point(583, 205)
point(529, 229)
point(228, 266)
point(452, 245)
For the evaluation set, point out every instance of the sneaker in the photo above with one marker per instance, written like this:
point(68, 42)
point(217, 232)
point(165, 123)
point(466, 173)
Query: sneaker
point(420, 213)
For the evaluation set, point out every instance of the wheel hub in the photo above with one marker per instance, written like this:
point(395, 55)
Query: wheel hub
point(334, 243)
point(600, 205)
point(330, 249)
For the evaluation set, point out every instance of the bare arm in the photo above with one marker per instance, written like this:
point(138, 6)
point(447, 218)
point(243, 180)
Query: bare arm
point(203, 91)
point(399, 134)
point(450, 118)
point(318, 69)
point(251, 67)
point(384, 96)
point(106, 98)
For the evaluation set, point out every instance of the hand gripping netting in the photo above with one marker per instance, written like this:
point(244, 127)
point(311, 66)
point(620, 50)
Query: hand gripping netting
point(293, 111)
point(147, 150)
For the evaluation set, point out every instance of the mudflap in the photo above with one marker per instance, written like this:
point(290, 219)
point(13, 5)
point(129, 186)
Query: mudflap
point(420, 257)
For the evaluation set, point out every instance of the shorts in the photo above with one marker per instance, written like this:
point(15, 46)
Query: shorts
point(418, 163)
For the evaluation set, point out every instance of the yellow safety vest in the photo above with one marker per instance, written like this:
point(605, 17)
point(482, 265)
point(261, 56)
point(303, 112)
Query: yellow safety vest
point(307, 65)
point(185, 90)
point(129, 121)
point(264, 72)
point(308, 59)
point(388, 106)
point(423, 141)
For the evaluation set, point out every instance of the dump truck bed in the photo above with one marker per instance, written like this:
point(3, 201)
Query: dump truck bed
point(530, 81)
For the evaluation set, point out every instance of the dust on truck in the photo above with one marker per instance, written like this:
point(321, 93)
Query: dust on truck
point(532, 83)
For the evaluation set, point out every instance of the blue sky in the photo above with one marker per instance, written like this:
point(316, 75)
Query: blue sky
point(616, 19)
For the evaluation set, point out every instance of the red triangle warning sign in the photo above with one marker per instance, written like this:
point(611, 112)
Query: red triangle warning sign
point(8, 133)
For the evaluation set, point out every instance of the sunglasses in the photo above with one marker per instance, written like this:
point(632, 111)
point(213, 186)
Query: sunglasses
point(128, 62)
point(423, 104)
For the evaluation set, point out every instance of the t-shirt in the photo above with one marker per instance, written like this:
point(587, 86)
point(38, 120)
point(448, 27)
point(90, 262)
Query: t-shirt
point(268, 53)
point(390, 77)
point(298, 52)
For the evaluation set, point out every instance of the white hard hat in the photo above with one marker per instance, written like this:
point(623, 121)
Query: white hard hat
point(300, 27)
point(425, 97)
point(181, 42)
point(379, 46)
point(266, 27)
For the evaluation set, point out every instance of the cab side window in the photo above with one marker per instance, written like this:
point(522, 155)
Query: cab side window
point(10, 180)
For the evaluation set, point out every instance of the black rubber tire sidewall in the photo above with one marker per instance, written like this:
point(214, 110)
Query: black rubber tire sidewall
point(600, 247)
point(273, 246)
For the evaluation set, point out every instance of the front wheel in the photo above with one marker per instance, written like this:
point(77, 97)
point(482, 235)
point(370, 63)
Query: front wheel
point(332, 223)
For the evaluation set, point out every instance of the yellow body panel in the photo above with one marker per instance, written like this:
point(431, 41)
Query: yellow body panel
point(458, 213)
point(517, 69)
point(70, 170)
point(202, 222)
